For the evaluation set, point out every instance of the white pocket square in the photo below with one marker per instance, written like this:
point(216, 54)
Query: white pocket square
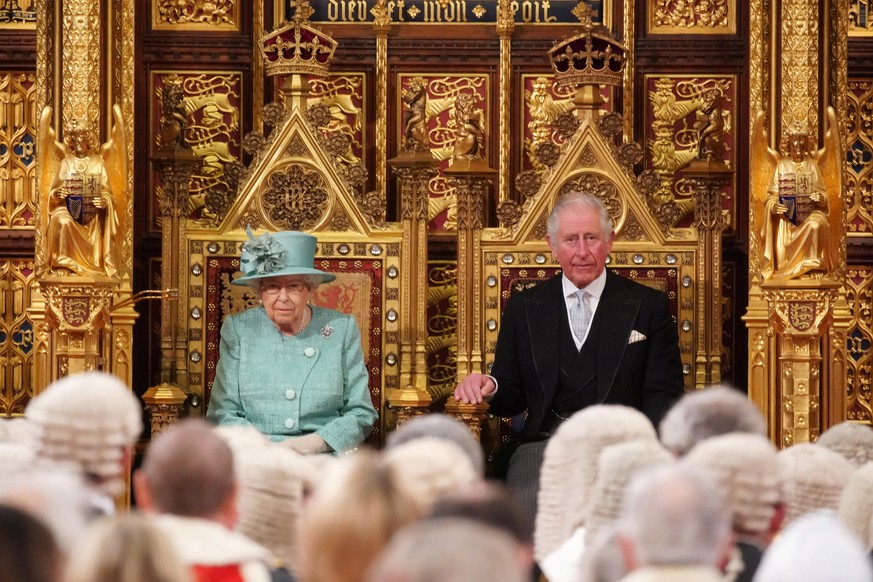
point(635, 337)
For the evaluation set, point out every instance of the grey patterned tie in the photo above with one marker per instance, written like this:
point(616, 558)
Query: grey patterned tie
point(580, 315)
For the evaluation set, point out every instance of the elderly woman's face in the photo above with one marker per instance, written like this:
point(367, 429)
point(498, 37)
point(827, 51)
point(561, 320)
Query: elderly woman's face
point(285, 299)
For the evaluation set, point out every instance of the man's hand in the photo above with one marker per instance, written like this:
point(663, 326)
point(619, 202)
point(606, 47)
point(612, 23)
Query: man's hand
point(310, 444)
point(475, 388)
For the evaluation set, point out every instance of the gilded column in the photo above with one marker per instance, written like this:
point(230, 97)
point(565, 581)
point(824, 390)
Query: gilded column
point(82, 315)
point(80, 61)
point(708, 179)
point(505, 28)
point(799, 62)
point(382, 27)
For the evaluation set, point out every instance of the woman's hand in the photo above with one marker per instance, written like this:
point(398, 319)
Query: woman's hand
point(310, 444)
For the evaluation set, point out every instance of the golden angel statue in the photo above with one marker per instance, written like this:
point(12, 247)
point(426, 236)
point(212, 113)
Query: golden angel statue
point(797, 202)
point(84, 195)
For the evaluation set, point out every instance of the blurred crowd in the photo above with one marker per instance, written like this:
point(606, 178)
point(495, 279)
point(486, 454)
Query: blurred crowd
point(705, 496)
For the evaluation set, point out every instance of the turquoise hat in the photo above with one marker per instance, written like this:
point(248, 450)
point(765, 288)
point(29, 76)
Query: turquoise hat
point(278, 254)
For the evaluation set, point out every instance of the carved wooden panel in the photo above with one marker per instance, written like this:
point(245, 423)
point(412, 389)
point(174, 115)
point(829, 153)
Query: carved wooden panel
point(199, 15)
point(442, 91)
point(673, 107)
point(213, 105)
point(859, 283)
point(692, 16)
point(859, 141)
point(18, 121)
point(16, 335)
point(442, 322)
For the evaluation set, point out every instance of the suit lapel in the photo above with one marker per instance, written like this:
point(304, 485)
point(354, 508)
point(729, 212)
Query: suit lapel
point(544, 311)
point(618, 311)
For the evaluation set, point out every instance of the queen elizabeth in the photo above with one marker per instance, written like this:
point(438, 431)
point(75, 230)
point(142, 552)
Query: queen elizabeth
point(292, 370)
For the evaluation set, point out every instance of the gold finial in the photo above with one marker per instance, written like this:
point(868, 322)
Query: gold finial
point(584, 13)
point(302, 10)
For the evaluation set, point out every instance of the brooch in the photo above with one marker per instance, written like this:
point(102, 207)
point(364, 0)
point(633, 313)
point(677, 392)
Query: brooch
point(327, 331)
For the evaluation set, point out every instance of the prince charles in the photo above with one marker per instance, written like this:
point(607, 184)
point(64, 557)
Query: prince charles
point(586, 336)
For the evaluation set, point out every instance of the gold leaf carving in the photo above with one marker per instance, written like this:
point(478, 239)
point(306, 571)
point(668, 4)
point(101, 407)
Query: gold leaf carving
point(295, 198)
point(207, 13)
point(691, 13)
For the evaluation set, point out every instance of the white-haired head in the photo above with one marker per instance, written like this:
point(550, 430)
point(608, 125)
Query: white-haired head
point(440, 426)
point(273, 483)
point(707, 413)
point(746, 469)
point(856, 505)
point(570, 467)
point(618, 465)
point(431, 467)
point(90, 420)
point(851, 439)
point(675, 516)
point(814, 479)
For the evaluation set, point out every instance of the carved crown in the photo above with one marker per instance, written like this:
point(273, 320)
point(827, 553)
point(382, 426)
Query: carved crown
point(594, 57)
point(297, 47)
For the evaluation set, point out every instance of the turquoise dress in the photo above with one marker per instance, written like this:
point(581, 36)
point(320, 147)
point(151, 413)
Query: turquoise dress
point(287, 386)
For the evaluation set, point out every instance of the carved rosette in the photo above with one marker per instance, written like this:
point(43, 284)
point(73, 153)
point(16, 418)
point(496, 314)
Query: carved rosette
point(295, 198)
point(372, 204)
point(509, 213)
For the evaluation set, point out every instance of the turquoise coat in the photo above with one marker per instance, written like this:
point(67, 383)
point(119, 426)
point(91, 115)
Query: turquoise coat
point(288, 386)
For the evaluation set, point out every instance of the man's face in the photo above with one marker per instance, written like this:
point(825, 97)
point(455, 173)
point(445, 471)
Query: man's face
point(580, 244)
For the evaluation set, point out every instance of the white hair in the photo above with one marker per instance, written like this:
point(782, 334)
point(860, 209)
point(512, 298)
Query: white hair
point(814, 479)
point(851, 439)
point(578, 199)
point(707, 413)
point(856, 505)
point(440, 426)
point(675, 516)
point(89, 420)
point(55, 495)
point(431, 467)
point(569, 468)
point(746, 469)
point(815, 548)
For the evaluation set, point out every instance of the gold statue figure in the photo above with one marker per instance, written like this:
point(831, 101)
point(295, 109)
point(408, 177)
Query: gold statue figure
point(84, 194)
point(710, 126)
point(797, 198)
point(415, 137)
point(468, 125)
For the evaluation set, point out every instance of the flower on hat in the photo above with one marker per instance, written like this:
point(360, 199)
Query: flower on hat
point(261, 256)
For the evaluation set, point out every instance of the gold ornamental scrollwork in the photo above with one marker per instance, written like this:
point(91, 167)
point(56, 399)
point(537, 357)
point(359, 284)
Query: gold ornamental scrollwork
point(196, 14)
point(295, 198)
point(212, 103)
point(692, 16)
point(799, 310)
point(77, 307)
point(859, 167)
point(679, 105)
